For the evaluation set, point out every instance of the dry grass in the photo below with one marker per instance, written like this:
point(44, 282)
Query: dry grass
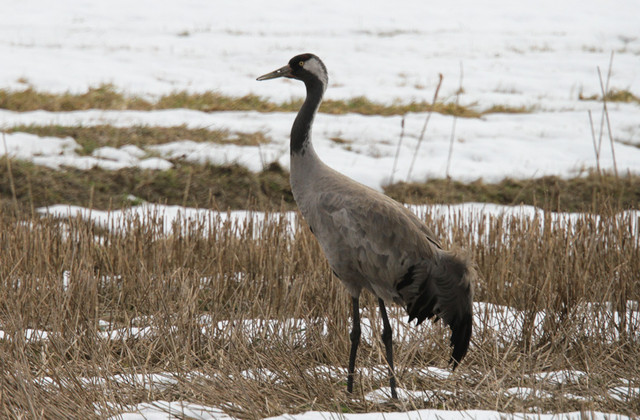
point(614, 95)
point(506, 109)
point(188, 184)
point(592, 192)
point(108, 97)
point(169, 281)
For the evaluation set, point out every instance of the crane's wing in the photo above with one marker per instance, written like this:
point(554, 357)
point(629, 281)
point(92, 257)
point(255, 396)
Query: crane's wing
point(371, 213)
point(380, 236)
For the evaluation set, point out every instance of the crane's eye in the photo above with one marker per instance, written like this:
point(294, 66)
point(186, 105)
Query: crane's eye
point(301, 64)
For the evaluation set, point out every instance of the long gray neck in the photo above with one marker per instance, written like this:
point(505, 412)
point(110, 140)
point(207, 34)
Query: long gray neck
point(301, 130)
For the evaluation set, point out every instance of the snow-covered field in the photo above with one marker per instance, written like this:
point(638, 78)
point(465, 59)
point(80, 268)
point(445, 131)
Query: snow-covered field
point(538, 54)
point(491, 148)
point(541, 56)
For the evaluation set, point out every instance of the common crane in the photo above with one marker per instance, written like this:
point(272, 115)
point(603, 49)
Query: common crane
point(371, 241)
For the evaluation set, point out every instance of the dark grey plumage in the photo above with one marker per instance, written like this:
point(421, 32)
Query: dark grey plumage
point(371, 241)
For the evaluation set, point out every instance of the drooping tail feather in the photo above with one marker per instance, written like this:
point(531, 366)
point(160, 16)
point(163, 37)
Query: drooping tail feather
point(460, 338)
point(442, 287)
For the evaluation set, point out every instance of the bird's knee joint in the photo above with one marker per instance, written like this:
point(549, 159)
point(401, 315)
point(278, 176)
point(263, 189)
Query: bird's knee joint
point(386, 334)
point(355, 334)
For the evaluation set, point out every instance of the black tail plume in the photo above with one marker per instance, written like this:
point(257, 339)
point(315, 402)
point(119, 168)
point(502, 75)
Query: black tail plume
point(460, 338)
point(442, 287)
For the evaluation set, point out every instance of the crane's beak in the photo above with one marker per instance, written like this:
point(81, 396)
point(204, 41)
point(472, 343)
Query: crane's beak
point(284, 71)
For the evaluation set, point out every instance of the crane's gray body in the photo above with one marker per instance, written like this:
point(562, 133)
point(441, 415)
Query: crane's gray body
point(369, 239)
point(372, 241)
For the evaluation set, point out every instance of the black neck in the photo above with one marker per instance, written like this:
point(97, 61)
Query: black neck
point(301, 130)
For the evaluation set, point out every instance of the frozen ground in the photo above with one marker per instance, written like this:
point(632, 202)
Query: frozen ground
point(541, 56)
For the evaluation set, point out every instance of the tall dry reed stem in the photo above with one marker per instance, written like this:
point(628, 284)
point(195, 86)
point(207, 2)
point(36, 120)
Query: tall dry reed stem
point(424, 127)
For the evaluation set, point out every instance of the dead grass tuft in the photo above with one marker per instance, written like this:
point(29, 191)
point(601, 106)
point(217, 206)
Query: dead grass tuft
point(506, 109)
point(614, 95)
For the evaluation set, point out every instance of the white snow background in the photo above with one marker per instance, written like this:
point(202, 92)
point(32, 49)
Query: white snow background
point(539, 55)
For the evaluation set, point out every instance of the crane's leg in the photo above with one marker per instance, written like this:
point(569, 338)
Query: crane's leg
point(355, 340)
point(388, 345)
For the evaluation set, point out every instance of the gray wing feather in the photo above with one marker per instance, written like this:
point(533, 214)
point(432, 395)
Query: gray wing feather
point(369, 239)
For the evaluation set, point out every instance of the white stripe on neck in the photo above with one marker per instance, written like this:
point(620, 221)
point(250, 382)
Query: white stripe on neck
point(314, 67)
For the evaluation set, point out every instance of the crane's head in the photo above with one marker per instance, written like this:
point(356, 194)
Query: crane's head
point(306, 67)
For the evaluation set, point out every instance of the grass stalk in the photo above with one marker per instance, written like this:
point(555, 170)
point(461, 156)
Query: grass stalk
point(424, 127)
point(10, 173)
point(605, 111)
point(395, 159)
point(453, 126)
point(596, 145)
